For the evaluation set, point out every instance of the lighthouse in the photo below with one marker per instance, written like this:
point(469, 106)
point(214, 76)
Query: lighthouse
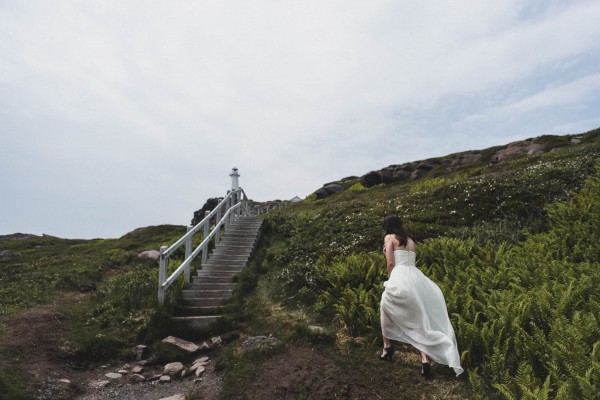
point(234, 179)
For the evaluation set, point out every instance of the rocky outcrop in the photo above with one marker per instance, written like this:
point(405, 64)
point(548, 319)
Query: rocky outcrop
point(208, 206)
point(420, 169)
point(328, 189)
point(397, 173)
point(517, 148)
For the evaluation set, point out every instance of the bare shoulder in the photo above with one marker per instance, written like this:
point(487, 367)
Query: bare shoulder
point(391, 238)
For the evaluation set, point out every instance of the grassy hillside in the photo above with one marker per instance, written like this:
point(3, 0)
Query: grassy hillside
point(514, 247)
point(102, 297)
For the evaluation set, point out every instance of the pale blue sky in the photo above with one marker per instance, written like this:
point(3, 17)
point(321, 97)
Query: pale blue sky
point(120, 114)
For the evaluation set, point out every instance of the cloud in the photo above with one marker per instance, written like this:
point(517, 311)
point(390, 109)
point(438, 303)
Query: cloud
point(145, 106)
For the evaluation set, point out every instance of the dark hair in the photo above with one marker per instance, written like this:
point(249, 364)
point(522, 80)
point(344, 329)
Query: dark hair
point(392, 224)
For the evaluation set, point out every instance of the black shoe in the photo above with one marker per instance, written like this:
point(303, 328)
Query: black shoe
point(388, 355)
point(425, 370)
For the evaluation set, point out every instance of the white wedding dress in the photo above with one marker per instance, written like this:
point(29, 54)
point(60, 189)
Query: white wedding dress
point(413, 310)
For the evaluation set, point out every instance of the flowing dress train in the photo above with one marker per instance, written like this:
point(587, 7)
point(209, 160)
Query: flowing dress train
point(413, 310)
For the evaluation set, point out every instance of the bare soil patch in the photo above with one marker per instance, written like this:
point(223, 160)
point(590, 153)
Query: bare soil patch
point(304, 372)
point(35, 340)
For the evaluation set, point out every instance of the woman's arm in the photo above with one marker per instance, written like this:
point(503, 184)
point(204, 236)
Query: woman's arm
point(388, 244)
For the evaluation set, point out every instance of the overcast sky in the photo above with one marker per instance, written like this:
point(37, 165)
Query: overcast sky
point(119, 114)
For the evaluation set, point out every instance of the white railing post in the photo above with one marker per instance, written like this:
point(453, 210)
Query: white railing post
point(206, 230)
point(162, 275)
point(188, 252)
point(218, 233)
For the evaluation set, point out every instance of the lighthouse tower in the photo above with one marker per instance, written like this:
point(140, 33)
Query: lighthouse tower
point(234, 179)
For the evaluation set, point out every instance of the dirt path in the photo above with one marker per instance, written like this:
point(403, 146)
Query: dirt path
point(37, 338)
point(300, 371)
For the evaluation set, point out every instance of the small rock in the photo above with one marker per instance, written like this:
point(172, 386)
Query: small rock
point(198, 365)
point(99, 384)
point(154, 377)
point(316, 330)
point(137, 369)
point(164, 379)
point(182, 344)
point(173, 368)
point(123, 371)
point(254, 341)
point(184, 373)
point(9, 253)
point(64, 382)
point(113, 375)
point(201, 360)
point(126, 366)
point(175, 397)
point(216, 340)
point(205, 346)
point(200, 370)
point(137, 378)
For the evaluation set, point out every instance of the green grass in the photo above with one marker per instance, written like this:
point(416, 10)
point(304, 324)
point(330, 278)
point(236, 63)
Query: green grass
point(512, 245)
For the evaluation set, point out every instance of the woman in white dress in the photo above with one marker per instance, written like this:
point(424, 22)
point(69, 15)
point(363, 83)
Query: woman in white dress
point(413, 309)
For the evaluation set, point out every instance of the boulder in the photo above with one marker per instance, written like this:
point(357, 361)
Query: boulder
point(421, 170)
point(328, 189)
point(150, 255)
point(402, 174)
point(371, 179)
